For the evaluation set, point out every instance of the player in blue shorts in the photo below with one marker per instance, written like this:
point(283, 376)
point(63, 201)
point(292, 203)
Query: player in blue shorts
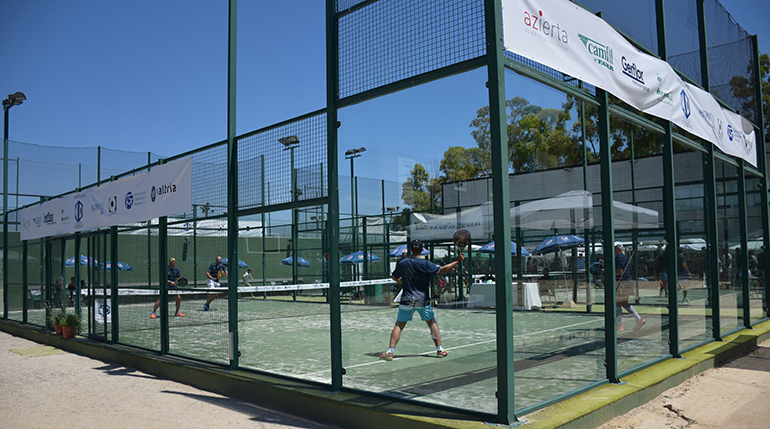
point(413, 274)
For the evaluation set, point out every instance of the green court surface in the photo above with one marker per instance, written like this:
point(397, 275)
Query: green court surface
point(556, 351)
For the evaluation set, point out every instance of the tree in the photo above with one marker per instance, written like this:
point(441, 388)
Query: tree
point(743, 89)
point(419, 188)
point(537, 137)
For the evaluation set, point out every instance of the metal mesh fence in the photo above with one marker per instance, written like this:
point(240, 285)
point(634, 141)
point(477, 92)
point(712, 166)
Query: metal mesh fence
point(265, 163)
point(416, 38)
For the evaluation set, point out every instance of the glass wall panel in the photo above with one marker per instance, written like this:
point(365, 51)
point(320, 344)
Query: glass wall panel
point(561, 347)
point(15, 286)
point(138, 288)
point(755, 237)
point(427, 151)
point(35, 282)
point(695, 322)
point(283, 313)
point(637, 184)
point(729, 239)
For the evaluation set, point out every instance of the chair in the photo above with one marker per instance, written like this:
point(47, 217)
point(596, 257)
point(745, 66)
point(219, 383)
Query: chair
point(546, 288)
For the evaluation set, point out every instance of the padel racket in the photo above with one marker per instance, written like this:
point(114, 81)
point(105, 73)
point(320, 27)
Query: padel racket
point(182, 282)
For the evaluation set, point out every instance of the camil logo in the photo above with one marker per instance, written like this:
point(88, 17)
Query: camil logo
point(602, 53)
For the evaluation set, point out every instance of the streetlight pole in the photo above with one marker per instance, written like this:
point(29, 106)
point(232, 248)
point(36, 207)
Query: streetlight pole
point(289, 143)
point(12, 100)
point(352, 154)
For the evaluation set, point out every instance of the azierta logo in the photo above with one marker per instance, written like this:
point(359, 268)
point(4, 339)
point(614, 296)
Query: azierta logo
point(541, 26)
point(602, 53)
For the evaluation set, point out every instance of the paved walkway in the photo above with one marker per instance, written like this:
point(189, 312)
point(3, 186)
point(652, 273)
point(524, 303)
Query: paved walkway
point(45, 387)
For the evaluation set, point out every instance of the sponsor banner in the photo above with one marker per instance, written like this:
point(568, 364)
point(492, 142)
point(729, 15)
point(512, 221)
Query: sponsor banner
point(430, 227)
point(568, 38)
point(162, 191)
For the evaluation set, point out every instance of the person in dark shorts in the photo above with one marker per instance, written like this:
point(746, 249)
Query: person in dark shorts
point(413, 275)
point(215, 272)
point(173, 278)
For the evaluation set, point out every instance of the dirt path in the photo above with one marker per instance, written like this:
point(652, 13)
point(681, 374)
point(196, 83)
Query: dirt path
point(735, 395)
point(44, 387)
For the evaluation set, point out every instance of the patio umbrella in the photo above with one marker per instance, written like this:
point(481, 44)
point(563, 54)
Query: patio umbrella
point(241, 264)
point(122, 266)
point(84, 260)
point(490, 248)
point(556, 243)
point(301, 262)
point(400, 250)
point(358, 257)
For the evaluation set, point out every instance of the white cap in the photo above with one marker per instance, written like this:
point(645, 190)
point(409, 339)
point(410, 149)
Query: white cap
point(618, 244)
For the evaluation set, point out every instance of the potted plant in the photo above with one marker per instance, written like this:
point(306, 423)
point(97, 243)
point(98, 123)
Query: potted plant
point(69, 324)
point(57, 319)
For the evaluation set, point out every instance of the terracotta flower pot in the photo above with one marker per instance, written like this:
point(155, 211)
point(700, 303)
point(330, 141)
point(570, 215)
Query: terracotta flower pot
point(68, 331)
point(57, 327)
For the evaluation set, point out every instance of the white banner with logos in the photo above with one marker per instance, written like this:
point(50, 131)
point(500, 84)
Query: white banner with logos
point(431, 227)
point(162, 191)
point(568, 38)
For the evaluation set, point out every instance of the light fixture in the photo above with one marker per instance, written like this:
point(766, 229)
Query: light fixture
point(14, 99)
point(352, 153)
point(289, 141)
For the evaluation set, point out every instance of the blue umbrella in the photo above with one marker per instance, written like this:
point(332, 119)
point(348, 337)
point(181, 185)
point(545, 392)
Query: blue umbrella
point(358, 257)
point(400, 250)
point(556, 243)
point(84, 260)
point(490, 248)
point(122, 266)
point(241, 264)
point(301, 262)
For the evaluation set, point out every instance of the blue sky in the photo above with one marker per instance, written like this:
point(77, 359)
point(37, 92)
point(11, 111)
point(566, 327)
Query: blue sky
point(152, 76)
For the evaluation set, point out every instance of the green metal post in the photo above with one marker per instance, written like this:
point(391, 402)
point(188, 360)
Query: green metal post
point(115, 309)
point(669, 213)
point(744, 262)
point(333, 229)
point(232, 184)
point(608, 237)
point(709, 175)
point(294, 226)
point(5, 210)
point(264, 236)
point(672, 239)
point(24, 280)
point(98, 166)
point(162, 279)
point(502, 224)
point(703, 45)
point(759, 130)
point(78, 277)
point(586, 232)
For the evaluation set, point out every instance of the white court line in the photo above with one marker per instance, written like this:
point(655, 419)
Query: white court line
point(458, 347)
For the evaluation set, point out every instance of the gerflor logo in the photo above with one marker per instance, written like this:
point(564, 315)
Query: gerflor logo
point(129, 200)
point(630, 70)
point(602, 53)
point(538, 25)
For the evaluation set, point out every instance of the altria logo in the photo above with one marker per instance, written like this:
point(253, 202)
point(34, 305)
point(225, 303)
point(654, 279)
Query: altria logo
point(536, 22)
point(602, 53)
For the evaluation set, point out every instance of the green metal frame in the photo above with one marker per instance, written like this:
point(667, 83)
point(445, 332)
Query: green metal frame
point(502, 224)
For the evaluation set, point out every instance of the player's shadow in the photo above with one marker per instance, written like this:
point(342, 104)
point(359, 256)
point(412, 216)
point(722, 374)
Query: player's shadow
point(423, 355)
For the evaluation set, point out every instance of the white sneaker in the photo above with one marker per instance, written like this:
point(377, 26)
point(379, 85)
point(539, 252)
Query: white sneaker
point(639, 324)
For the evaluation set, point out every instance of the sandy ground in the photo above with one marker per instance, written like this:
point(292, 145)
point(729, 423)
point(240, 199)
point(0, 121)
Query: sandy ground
point(45, 387)
point(735, 395)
